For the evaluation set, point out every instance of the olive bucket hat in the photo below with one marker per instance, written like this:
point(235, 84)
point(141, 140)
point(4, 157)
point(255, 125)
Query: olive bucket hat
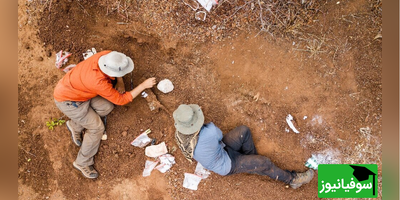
point(115, 64)
point(188, 118)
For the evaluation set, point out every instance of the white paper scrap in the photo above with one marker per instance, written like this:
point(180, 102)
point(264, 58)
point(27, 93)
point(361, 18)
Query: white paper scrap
point(89, 53)
point(289, 119)
point(156, 150)
point(149, 166)
point(142, 140)
point(163, 167)
point(191, 181)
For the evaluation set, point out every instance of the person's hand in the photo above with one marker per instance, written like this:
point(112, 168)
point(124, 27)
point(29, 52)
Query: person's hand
point(148, 83)
point(120, 87)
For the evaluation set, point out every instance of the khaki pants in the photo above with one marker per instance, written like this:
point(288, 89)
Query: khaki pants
point(86, 115)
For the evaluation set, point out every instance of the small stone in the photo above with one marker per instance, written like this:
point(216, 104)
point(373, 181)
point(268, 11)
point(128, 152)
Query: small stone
point(124, 133)
point(126, 36)
point(126, 128)
point(105, 146)
point(40, 58)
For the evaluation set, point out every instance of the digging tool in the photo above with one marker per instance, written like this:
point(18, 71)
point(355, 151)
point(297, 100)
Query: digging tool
point(104, 137)
point(131, 81)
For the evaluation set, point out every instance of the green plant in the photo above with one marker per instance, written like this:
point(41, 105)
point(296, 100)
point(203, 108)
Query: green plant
point(55, 122)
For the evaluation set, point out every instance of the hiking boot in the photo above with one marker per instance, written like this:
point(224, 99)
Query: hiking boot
point(88, 172)
point(302, 178)
point(76, 137)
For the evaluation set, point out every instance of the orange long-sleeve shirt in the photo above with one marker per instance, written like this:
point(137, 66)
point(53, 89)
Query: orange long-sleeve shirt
point(86, 81)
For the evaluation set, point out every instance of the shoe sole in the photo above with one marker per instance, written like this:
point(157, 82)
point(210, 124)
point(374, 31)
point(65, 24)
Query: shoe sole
point(299, 185)
point(72, 136)
point(76, 167)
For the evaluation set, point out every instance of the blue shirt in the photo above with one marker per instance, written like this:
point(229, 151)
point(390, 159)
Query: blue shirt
point(210, 151)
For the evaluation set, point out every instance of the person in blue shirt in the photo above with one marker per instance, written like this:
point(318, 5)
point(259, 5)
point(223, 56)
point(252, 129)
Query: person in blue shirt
point(227, 154)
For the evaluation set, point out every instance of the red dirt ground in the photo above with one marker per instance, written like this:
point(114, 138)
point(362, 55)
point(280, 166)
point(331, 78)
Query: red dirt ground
point(328, 70)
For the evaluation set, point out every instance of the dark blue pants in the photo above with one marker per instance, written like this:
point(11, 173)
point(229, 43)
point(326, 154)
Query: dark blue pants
point(244, 157)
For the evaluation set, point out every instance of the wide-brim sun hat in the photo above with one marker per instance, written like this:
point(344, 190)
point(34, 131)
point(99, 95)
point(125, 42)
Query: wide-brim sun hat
point(115, 64)
point(188, 118)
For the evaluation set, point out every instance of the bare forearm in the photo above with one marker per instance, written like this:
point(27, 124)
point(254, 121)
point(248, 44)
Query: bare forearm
point(148, 83)
point(120, 85)
point(137, 90)
point(120, 80)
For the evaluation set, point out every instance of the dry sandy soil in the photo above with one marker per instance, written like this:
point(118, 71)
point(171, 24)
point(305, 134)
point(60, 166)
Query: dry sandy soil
point(323, 63)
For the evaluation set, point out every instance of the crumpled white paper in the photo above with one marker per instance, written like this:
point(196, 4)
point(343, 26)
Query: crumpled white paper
point(166, 162)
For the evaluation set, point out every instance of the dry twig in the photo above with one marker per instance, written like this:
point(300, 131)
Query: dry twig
point(262, 21)
point(26, 151)
point(83, 8)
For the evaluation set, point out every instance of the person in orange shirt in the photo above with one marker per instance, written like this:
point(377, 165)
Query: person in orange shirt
point(86, 93)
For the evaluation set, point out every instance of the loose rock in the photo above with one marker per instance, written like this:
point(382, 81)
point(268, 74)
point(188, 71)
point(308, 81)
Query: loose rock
point(124, 133)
